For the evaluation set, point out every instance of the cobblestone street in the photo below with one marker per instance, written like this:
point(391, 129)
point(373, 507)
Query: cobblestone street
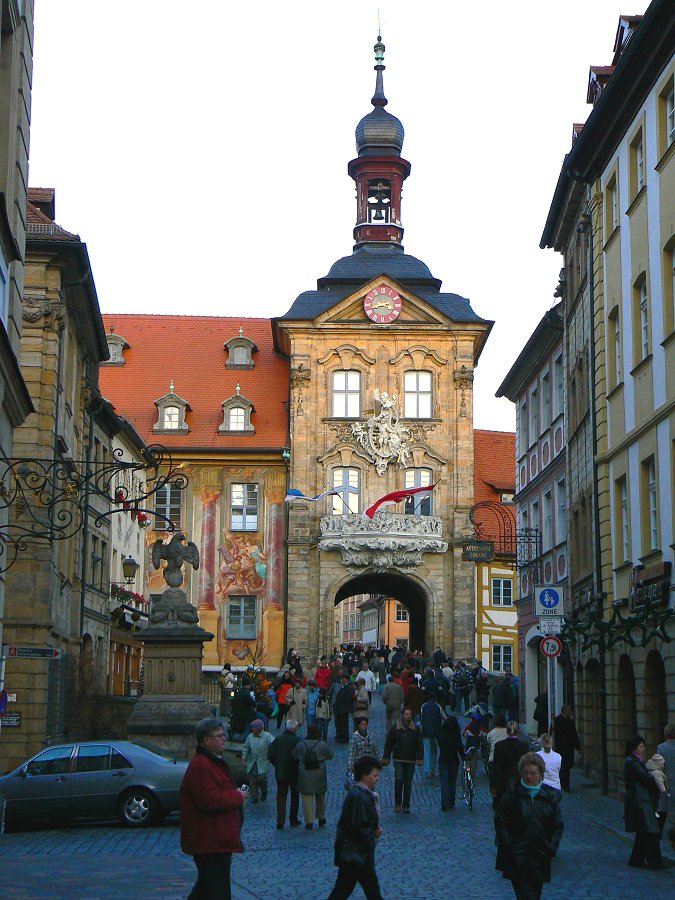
point(428, 854)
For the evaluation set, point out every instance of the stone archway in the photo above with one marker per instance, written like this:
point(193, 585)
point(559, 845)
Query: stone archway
point(401, 588)
point(655, 700)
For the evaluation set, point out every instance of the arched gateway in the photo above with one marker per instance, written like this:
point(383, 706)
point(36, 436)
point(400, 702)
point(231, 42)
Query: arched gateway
point(381, 387)
point(406, 590)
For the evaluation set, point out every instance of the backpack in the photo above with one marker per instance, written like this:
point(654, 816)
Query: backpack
point(311, 759)
point(463, 679)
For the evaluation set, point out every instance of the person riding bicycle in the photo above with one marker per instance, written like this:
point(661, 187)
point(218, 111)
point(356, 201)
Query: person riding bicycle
point(474, 733)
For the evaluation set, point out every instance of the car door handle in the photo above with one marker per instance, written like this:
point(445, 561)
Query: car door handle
point(60, 779)
point(118, 774)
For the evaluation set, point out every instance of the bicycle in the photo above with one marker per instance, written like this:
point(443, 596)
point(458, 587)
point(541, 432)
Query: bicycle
point(468, 786)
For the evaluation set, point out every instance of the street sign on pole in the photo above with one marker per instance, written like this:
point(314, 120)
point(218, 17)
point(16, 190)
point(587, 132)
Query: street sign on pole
point(548, 600)
point(550, 625)
point(551, 646)
point(33, 652)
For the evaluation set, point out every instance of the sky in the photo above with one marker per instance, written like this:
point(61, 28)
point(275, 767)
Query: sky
point(200, 149)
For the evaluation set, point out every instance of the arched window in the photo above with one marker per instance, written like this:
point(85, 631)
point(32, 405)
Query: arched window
point(418, 504)
point(346, 401)
point(237, 418)
point(171, 418)
point(417, 395)
point(348, 482)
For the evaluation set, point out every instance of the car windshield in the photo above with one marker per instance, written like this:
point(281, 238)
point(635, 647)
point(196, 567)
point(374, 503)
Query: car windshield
point(158, 751)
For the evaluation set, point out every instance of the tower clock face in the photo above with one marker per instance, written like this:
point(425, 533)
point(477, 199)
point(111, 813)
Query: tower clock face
point(382, 305)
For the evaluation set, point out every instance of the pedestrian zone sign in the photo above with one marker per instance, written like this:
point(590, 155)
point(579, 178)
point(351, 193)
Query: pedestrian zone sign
point(548, 601)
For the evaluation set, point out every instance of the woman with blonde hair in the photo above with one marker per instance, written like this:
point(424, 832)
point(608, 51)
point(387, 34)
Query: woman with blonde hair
point(552, 762)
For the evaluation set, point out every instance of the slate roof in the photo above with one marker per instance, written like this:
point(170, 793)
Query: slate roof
point(366, 263)
point(189, 351)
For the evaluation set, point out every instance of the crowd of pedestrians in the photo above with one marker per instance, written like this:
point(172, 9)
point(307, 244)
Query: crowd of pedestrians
point(422, 698)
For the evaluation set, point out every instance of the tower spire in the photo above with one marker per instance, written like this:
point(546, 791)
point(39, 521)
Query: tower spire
point(378, 97)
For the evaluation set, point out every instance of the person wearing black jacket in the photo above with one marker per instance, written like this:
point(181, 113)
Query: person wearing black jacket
point(528, 826)
point(404, 742)
point(450, 750)
point(280, 754)
point(504, 769)
point(639, 808)
point(358, 829)
point(566, 741)
point(342, 706)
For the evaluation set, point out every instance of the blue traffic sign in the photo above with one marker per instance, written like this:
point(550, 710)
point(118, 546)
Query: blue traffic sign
point(548, 601)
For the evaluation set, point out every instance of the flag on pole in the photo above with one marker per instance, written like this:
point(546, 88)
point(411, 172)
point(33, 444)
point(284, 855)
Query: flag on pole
point(396, 497)
point(295, 494)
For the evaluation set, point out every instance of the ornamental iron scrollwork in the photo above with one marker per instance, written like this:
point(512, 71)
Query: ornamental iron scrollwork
point(591, 629)
point(49, 500)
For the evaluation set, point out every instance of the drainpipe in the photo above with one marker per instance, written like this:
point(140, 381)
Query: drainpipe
point(599, 595)
point(85, 516)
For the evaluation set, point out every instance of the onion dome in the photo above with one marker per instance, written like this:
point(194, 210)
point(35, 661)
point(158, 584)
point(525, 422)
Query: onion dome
point(379, 133)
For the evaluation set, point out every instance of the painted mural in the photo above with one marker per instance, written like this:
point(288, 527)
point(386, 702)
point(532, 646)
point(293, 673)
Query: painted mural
point(242, 567)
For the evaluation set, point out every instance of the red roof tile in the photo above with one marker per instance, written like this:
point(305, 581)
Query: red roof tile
point(188, 350)
point(494, 454)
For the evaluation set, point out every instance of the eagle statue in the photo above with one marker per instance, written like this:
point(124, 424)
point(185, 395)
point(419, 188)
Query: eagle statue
point(176, 552)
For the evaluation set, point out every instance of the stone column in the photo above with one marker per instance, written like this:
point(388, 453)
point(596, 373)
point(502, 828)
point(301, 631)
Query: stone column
point(273, 612)
point(207, 549)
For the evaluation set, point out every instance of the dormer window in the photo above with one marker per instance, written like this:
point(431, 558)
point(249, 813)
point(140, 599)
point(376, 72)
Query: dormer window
point(171, 411)
point(239, 351)
point(116, 347)
point(237, 414)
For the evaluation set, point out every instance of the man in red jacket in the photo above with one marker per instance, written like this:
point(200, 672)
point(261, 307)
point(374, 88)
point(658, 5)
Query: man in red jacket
point(323, 675)
point(210, 813)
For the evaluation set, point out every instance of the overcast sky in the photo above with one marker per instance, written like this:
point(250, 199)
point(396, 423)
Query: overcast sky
point(201, 149)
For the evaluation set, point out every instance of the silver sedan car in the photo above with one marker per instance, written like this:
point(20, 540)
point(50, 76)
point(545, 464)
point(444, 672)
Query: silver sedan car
point(94, 779)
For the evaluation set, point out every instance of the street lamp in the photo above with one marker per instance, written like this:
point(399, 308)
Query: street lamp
point(129, 568)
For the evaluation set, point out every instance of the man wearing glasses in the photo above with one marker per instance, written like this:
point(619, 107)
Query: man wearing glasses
point(211, 813)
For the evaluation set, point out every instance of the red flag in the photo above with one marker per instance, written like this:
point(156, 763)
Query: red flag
point(396, 497)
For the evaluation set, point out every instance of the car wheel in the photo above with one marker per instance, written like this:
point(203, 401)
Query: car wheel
point(138, 808)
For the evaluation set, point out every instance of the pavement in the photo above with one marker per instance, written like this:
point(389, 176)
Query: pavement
point(428, 854)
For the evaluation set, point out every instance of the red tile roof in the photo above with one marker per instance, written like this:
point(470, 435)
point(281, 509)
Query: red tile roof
point(494, 454)
point(39, 225)
point(188, 350)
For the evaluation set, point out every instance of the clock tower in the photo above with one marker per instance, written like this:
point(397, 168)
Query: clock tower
point(380, 399)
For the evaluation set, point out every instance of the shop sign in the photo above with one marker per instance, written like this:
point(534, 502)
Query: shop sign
point(478, 551)
point(650, 584)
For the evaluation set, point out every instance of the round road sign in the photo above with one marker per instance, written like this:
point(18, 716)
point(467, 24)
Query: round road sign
point(551, 646)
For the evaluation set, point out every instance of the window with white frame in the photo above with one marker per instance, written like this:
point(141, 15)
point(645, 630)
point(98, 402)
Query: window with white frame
point(4, 289)
point(522, 426)
point(612, 206)
point(558, 386)
point(346, 394)
point(670, 117)
point(545, 400)
point(170, 418)
point(534, 514)
point(560, 511)
point(534, 415)
point(546, 521)
point(502, 592)
point(242, 616)
point(614, 338)
point(169, 503)
point(347, 481)
point(418, 504)
point(624, 527)
point(502, 657)
point(237, 419)
point(243, 507)
point(644, 319)
point(650, 473)
point(417, 395)
point(401, 613)
point(639, 164)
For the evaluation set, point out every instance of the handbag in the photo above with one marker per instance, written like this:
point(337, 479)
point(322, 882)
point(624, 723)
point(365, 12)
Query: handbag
point(350, 854)
point(349, 781)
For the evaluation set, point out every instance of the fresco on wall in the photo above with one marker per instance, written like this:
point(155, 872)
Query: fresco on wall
point(242, 567)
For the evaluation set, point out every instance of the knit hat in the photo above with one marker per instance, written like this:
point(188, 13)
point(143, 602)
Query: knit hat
point(258, 723)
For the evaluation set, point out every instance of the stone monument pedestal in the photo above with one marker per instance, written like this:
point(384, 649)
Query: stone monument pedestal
point(209, 619)
point(172, 701)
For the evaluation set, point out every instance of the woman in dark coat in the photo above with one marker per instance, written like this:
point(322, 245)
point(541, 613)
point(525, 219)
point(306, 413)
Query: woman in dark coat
point(639, 808)
point(528, 825)
point(450, 751)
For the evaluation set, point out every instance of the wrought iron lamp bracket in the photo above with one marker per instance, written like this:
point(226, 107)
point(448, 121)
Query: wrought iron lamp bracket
point(49, 500)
